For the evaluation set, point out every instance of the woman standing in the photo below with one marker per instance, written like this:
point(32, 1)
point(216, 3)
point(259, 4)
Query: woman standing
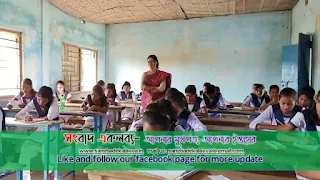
point(154, 82)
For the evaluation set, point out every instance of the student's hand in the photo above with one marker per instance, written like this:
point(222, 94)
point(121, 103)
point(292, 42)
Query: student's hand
point(92, 108)
point(84, 108)
point(28, 118)
point(274, 100)
point(9, 106)
point(22, 105)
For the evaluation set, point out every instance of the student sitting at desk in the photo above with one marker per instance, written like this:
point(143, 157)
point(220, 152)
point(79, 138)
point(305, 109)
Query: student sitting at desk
point(112, 99)
point(255, 101)
point(204, 89)
point(96, 101)
point(61, 92)
point(304, 99)
point(278, 114)
point(213, 99)
point(45, 104)
point(195, 103)
point(127, 95)
point(307, 120)
point(111, 94)
point(25, 96)
point(158, 116)
point(101, 83)
point(186, 119)
point(274, 96)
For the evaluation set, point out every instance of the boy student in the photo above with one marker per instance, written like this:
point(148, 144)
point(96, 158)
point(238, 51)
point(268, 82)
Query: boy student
point(195, 103)
point(274, 96)
point(278, 114)
point(256, 100)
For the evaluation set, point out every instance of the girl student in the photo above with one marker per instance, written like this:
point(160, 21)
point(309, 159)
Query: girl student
point(61, 91)
point(158, 116)
point(46, 106)
point(96, 101)
point(195, 103)
point(111, 94)
point(127, 95)
point(25, 96)
point(112, 99)
point(186, 119)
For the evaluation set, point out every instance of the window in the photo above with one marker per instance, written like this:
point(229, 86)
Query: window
point(79, 68)
point(10, 62)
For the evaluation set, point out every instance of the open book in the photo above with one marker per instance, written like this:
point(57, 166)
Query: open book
point(172, 175)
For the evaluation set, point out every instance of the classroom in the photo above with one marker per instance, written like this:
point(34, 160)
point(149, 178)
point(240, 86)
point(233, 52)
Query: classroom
point(159, 65)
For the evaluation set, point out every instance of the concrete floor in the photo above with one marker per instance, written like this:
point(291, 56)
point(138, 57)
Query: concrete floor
point(38, 175)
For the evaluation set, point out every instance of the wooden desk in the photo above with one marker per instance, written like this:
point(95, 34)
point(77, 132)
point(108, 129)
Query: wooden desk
point(240, 112)
point(97, 117)
point(203, 175)
point(226, 122)
point(47, 126)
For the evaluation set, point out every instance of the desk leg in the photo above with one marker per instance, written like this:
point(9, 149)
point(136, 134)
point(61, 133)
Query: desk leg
point(46, 156)
point(19, 175)
point(101, 123)
point(95, 123)
point(56, 172)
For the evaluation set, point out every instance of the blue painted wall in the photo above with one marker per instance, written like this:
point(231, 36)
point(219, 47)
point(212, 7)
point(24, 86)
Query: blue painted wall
point(304, 21)
point(232, 52)
point(44, 28)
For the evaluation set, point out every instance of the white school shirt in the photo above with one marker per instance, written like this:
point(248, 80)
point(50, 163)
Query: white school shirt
point(139, 124)
point(133, 95)
point(202, 105)
point(18, 97)
point(267, 116)
point(195, 124)
point(249, 101)
point(53, 111)
point(66, 98)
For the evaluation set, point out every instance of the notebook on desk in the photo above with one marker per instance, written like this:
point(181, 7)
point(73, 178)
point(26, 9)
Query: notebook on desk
point(169, 175)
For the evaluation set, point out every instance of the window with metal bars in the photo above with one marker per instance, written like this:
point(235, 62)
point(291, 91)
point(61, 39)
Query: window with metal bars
point(10, 62)
point(79, 68)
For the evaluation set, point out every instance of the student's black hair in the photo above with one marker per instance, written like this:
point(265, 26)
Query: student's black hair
point(98, 89)
point(176, 97)
point(154, 57)
point(60, 82)
point(27, 81)
point(207, 84)
point(161, 113)
point(306, 93)
point(274, 87)
point(46, 92)
point(259, 86)
point(309, 91)
point(101, 83)
point(191, 89)
point(113, 89)
point(217, 89)
point(211, 89)
point(288, 92)
point(126, 84)
point(170, 91)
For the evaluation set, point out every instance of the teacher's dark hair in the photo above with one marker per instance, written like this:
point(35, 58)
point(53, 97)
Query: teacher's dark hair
point(154, 57)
